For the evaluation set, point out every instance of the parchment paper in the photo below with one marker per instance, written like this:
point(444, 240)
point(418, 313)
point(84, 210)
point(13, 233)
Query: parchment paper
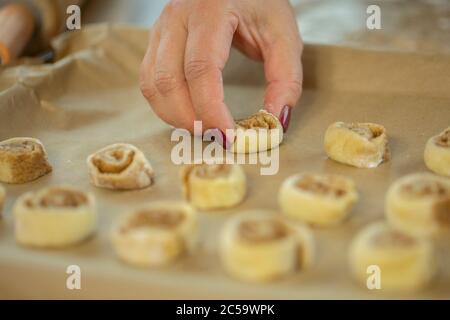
point(90, 98)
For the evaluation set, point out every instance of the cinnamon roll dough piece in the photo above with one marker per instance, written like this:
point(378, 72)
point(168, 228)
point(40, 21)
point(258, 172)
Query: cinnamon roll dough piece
point(406, 263)
point(120, 166)
point(419, 204)
point(437, 153)
point(363, 145)
point(259, 132)
point(156, 234)
point(54, 217)
point(317, 199)
point(258, 247)
point(22, 160)
point(2, 199)
point(213, 186)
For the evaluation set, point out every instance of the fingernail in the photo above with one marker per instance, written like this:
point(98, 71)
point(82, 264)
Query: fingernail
point(285, 117)
point(226, 144)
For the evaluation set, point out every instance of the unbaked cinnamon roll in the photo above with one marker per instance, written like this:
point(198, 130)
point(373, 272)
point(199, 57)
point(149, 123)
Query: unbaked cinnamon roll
point(54, 217)
point(120, 166)
point(156, 235)
point(213, 186)
point(22, 160)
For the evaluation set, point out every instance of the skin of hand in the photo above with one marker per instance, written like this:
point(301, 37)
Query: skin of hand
point(181, 74)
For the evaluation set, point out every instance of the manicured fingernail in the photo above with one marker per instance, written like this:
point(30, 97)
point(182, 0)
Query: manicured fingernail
point(285, 117)
point(226, 144)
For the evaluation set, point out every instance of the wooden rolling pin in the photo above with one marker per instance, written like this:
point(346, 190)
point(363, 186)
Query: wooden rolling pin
point(16, 28)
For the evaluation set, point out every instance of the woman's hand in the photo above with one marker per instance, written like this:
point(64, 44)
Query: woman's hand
point(181, 75)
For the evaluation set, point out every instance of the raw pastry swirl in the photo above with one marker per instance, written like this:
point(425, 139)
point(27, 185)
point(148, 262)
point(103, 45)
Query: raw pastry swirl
point(419, 204)
point(22, 160)
point(120, 166)
point(266, 132)
point(437, 153)
point(156, 234)
point(363, 145)
point(213, 186)
point(54, 217)
point(259, 246)
point(317, 199)
point(406, 263)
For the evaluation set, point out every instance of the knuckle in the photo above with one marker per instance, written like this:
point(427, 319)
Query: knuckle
point(294, 86)
point(148, 91)
point(232, 17)
point(198, 68)
point(166, 82)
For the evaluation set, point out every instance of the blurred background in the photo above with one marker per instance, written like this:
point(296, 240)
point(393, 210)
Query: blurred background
point(412, 25)
point(406, 25)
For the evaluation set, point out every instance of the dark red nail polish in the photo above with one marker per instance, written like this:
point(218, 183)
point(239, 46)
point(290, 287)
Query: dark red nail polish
point(285, 117)
point(226, 144)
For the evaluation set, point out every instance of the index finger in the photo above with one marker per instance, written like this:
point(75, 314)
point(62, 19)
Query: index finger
point(207, 50)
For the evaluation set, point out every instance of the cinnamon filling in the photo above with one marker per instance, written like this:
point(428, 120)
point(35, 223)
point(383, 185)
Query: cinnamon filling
point(322, 187)
point(393, 238)
point(113, 160)
point(364, 130)
point(166, 219)
point(426, 188)
point(204, 171)
point(258, 120)
point(443, 140)
point(262, 230)
point(60, 198)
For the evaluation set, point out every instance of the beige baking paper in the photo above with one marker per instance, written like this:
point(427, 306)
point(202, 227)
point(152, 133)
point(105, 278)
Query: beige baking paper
point(90, 98)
